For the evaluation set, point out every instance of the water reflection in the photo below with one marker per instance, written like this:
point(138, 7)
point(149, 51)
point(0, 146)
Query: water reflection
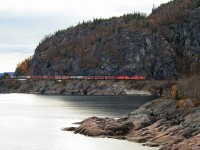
point(34, 122)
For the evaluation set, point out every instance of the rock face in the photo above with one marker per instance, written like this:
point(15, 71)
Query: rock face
point(185, 38)
point(162, 122)
point(112, 47)
point(179, 23)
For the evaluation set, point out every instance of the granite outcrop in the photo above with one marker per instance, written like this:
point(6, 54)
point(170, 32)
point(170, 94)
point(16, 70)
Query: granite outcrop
point(166, 123)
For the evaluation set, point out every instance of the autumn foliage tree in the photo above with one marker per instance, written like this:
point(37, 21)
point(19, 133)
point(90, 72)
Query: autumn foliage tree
point(24, 68)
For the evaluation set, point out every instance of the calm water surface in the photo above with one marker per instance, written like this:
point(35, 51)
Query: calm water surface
point(34, 122)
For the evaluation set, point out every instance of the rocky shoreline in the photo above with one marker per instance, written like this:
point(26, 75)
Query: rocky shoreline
point(166, 123)
point(169, 124)
point(84, 87)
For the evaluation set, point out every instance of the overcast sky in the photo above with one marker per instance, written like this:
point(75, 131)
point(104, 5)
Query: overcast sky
point(23, 23)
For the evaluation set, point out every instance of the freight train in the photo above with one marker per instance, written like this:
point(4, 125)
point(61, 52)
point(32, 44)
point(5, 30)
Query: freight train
point(88, 77)
point(42, 77)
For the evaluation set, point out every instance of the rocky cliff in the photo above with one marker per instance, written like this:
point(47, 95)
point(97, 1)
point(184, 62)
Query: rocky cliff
point(112, 47)
point(163, 45)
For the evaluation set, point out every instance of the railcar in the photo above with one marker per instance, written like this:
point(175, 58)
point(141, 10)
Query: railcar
point(72, 77)
point(23, 77)
point(109, 77)
point(45, 77)
point(99, 77)
point(122, 77)
point(65, 77)
point(79, 77)
point(51, 77)
point(88, 77)
point(58, 77)
point(139, 78)
point(36, 77)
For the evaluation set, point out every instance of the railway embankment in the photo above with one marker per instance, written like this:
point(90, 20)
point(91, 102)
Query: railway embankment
point(85, 87)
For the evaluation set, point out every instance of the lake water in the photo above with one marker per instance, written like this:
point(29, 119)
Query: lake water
point(34, 122)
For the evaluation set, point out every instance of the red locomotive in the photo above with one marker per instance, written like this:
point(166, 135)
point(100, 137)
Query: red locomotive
point(130, 77)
